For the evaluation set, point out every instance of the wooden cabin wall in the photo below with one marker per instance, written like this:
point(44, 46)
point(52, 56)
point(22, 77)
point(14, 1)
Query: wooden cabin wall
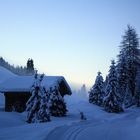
point(63, 89)
point(16, 99)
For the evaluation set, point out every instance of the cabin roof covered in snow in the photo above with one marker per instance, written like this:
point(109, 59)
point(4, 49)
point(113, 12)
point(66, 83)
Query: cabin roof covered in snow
point(5, 74)
point(24, 83)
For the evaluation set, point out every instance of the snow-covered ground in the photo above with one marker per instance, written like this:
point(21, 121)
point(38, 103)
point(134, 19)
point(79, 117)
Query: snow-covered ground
point(98, 126)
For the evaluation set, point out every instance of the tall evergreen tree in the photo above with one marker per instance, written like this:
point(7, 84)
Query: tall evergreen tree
point(122, 75)
point(37, 107)
point(127, 63)
point(30, 66)
point(112, 100)
point(138, 87)
point(96, 94)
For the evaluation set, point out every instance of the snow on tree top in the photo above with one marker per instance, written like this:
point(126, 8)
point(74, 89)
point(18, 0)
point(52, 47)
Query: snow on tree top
point(24, 83)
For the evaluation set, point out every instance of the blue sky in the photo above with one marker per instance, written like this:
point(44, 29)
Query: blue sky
point(73, 38)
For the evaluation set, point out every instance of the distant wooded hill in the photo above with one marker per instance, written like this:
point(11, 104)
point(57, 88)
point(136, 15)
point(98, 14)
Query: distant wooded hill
point(18, 70)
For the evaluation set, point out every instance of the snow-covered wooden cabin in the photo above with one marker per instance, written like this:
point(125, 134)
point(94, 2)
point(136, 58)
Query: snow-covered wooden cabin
point(17, 90)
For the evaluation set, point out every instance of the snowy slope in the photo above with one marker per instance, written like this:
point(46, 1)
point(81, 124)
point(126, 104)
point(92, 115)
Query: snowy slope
point(98, 126)
point(5, 74)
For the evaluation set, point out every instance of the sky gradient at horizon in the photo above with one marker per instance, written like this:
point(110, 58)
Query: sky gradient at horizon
point(73, 38)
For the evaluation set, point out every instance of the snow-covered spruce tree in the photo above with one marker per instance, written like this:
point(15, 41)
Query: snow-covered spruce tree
point(43, 113)
point(122, 75)
point(57, 106)
point(30, 67)
point(127, 64)
point(96, 94)
point(128, 99)
point(37, 107)
point(112, 100)
point(105, 82)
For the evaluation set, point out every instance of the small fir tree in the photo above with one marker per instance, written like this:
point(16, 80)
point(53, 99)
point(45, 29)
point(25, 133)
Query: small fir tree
point(57, 105)
point(37, 106)
point(83, 91)
point(44, 113)
point(105, 82)
point(112, 100)
point(96, 94)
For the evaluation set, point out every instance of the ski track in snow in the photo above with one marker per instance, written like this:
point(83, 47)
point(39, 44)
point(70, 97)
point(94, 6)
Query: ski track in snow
point(72, 132)
point(75, 131)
